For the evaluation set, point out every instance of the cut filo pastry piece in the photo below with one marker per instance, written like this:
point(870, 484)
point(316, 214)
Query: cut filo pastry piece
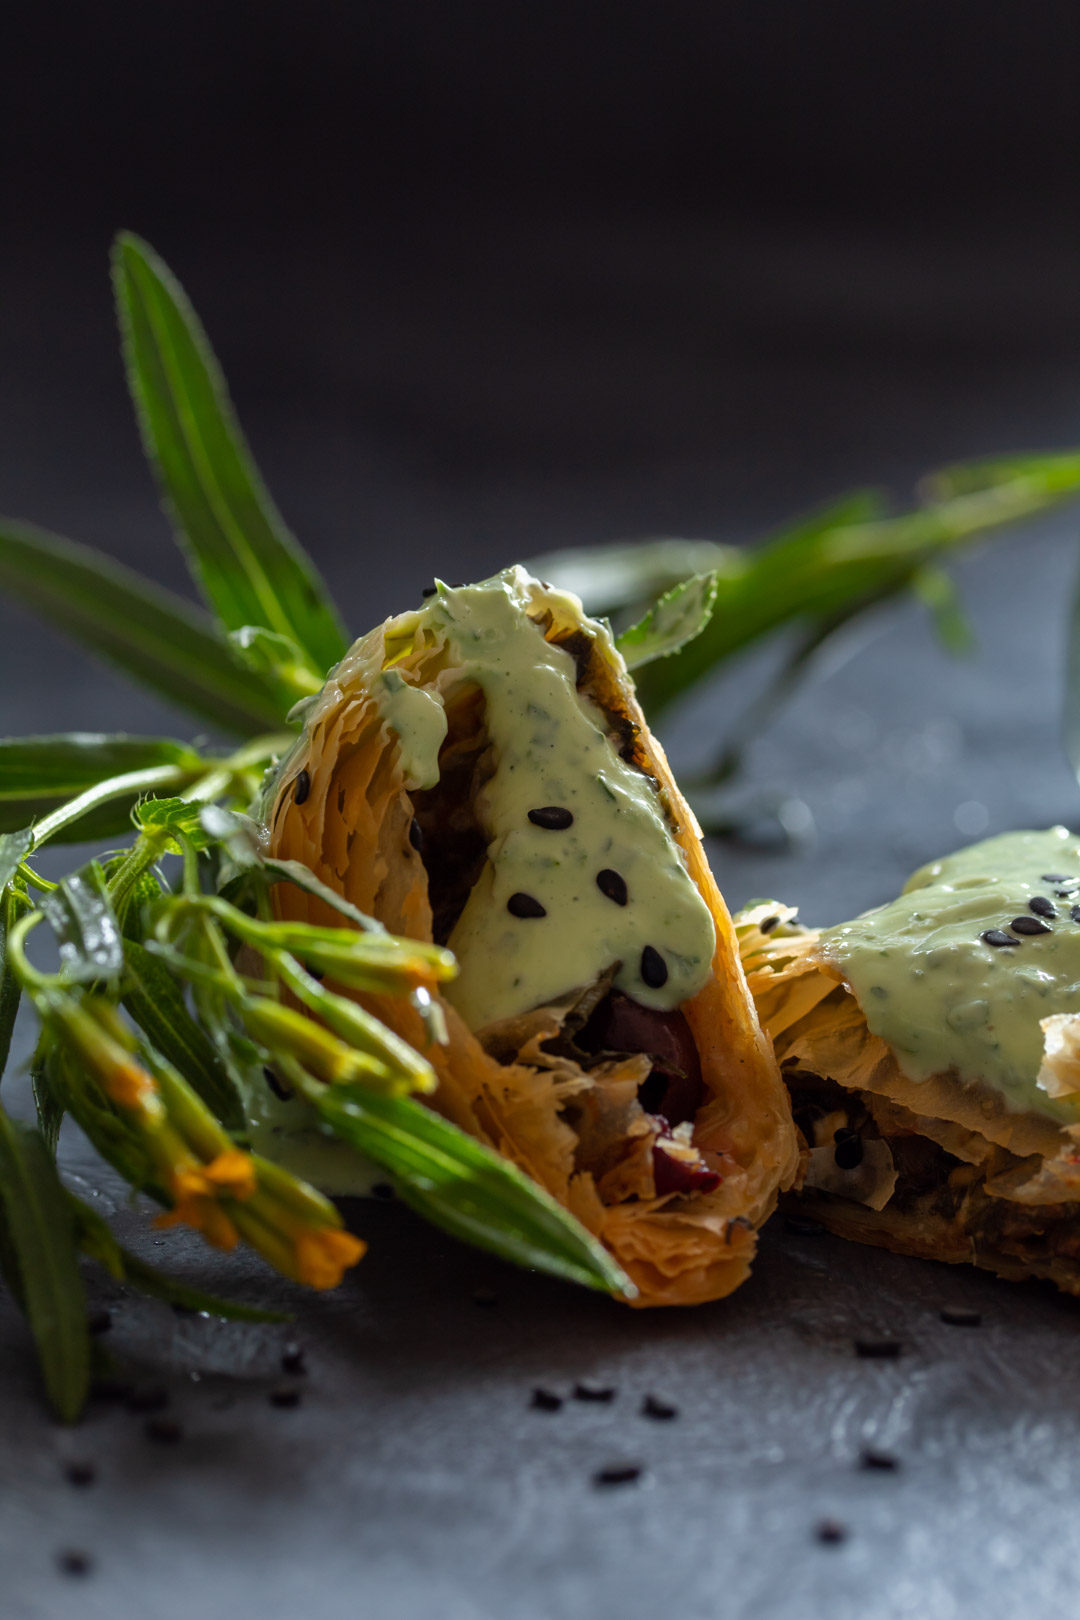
point(479, 773)
point(931, 1049)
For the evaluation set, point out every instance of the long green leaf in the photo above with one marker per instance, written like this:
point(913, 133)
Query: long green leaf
point(152, 634)
point(10, 989)
point(820, 572)
point(40, 1230)
point(461, 1185)
point(153, 998)
point(81, 916)
point(251, 569)
point(38, 774)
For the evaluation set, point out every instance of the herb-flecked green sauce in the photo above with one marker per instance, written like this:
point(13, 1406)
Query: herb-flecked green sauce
point(550, 748)
point(943, 997)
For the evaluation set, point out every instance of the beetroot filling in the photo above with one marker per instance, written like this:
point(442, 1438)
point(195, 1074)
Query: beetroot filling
point(674, 1090)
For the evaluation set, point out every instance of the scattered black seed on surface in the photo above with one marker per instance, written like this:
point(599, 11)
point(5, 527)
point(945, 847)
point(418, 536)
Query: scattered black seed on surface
point(292, 1360)
point(428, 590)
point(881, 1460)
point(282, 1092)
point(165, 1430)
point(148, 1398)
point(1029, 925)
point(997, 936)
point(1074, 913)
point(485, 1296)
point(1065, 894)
point(80, 1473)
point(284, 1395)
point(878, 1349)
point(99, 1322)
point(545, 1400)
point(593, 1392)
point(552, 817)
point(849, 1148)
point(73, 1561)
point(383, 1190)
point(1058, 877)
point(802, 1226)
point(831, 1532)
point(523, 905)
point(302, 788)
point(654, 970)
point(1041, 906)
point(768, 924)
point(612, 886)
point(960, 1316)
point(416, 835)
point(653, 1407)
point(625, 1475)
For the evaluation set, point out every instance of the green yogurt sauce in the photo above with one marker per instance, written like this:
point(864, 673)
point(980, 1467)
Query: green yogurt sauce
point(538, 923)
point(943, 997)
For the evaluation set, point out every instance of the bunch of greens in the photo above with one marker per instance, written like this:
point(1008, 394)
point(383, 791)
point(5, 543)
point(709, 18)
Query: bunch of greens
point(172, 990)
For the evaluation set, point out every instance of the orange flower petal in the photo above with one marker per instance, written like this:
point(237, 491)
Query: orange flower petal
point(324, 1254)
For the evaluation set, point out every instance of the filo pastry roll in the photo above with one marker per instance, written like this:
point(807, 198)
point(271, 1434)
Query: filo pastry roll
point(479, 773)
point(931, 1048)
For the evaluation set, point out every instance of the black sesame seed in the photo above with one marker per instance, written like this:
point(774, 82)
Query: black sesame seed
point(662, 1411)
point(302, 787)
point(1074, 913)
point(767, 924)
point(148, 1398)
point(960, 1316)
point(99, 1322)
point(545, 1400)
point(849, 1149)
point(878, 1349)
point(1029, 925)
point(164, 1430)
point(1066, 894)
point(654, 970)
point(1059, 877)
point(997, 936)
point(552, 817)
point(612, 885)
point(881, 1460)
point(282, 1092)
point(284, 1395)
point(80, 1473)
point(1041, 906)
point(831, 1532)
point(617, 1476)
point(416, 835)
point(593, 1392)
point(524, 905)
point(73, 1561)
point(292, 1360)
point(428, 590)
point(802, 1226)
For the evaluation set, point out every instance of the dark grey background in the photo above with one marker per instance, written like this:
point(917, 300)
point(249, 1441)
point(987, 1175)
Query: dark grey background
point(489, 279)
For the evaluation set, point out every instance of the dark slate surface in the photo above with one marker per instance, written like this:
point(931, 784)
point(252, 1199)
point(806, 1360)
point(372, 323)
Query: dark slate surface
point(610, 390)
